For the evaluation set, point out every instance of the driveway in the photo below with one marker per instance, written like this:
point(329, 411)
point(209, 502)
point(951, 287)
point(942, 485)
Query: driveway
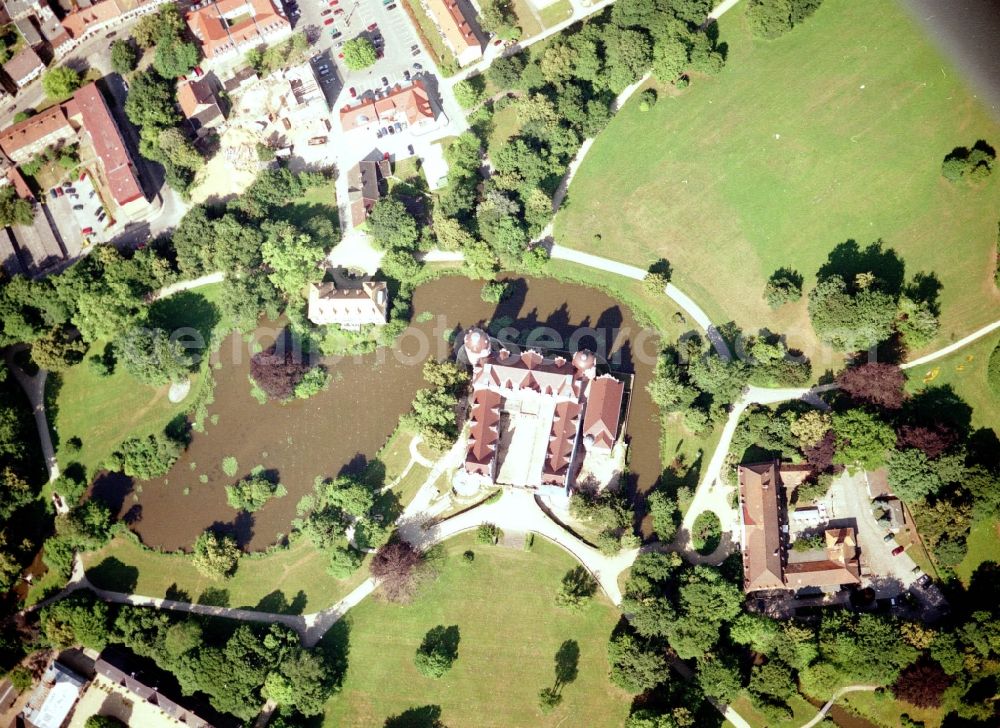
point(889, 575)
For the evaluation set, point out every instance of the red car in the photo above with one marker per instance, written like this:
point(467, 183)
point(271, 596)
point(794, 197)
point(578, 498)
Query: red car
point(353, 91)
point(334, 2)
point(373, 27)
point(898, 550)
point(328, 21)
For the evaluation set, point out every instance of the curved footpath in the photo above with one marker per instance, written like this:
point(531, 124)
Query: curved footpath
point(952, 348)
point(836, 696)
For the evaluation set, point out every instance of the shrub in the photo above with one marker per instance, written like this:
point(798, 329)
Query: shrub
point(146, 457)
point(469, 556)
point(647, 100)
point(438, 651)
point(250, 494)
point(215, 555)
point(578, 586)
point(784, 286)
point(278, 373)
point(20, 677)
point(313, 382)
point(706, 532)
point(973, 164)
point(495, 291)
point(344, 561)
point(488, 533)
point(230, 466)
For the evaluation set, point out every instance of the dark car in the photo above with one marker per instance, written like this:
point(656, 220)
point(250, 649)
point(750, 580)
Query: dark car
point(406, 75)
point(410, 150)
point(898, 550)
point(53, 194)
point(418, 66)
point(385, 81)
point(77, 207)
point(391, 7)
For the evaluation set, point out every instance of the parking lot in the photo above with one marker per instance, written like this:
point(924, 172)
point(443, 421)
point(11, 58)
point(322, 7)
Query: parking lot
point(79, 208)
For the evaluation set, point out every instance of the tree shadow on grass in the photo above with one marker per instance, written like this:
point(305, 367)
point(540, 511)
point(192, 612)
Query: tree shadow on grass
point(849, 259)
point(942, 405)
point(115, 575)
point(335, 647)
point(567, 663)
point(427, 716)
point(177, 594)
point(214, 597)
point(186, 310)
point(277, 603)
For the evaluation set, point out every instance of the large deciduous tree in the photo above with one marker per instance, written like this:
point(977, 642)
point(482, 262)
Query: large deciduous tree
point(876, 383)
point(397, 568)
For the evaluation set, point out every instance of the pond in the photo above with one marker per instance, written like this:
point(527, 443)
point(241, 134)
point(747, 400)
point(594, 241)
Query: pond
point(341, 429)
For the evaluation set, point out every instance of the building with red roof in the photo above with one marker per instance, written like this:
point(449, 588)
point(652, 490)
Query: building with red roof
point(120, 174)
point(405, 105)
point(456, 30)
point(224, 27)
point(534, 411)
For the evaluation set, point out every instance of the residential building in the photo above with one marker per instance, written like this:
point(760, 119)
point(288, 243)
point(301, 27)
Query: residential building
point(200, 104)
point(37, 246)
point(536, 410)
point(765, 490)
point(53, 699)
point(88, 19)
point(89, 109)
point(24, 68)
point(25, 139)
point(404, 105)
point(224, 27)
point(240, 79)
point(458, 33)
point(365, 182)
point(26, 27)
point(349, 308)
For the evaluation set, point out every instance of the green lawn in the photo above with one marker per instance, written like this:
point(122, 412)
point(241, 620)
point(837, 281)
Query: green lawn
point(556, 13)
point(317, 201)
point(527, 18)
point(503, 605)
point(505, 125)
point(103, 411)
point(834, 132)
point(292, 580)
point(801, 709)
point(965, 372)
point(886, 712)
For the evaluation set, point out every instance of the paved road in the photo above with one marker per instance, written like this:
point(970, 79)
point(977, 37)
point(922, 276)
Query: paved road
point(34, 389)
point(951, 348)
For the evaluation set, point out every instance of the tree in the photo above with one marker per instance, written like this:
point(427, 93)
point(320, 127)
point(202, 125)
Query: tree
point(647, 100)
point(123, 56)
point(151, 101)
point(913, 476)
point(176, 147)
point(469, 92)
point(278, 372)
point(851, 321)
point(548, 699)
point(784, 286)
point(719, 677)
point(77, 619)
point(973, 164)
point(634, 665)
point(495, 291)
point(862, 439)
point(293, 258)
point(577, 588)
point(663, 510)
point(359, 53)
point(216, 555)
point(505, 72)
point(251, 493)
point(497, 17)
point(349, 495)
point(875, 383)
point(14, 210)
point(670, 58)
point(58, 350)
point(174, 56)
point(152, 357)
point(437, 652)
point(60, 82)
point(916, 322)
point(147, 457)
point(391, 226)
point(397, 569)
point(344, 561)
point(302, 681)
point(922, 684)
point(657, 277)
point(103, 721)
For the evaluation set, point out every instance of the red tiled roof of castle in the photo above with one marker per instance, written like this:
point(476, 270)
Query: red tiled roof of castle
point(562, 440)
point(484, 432)
point(604, 404)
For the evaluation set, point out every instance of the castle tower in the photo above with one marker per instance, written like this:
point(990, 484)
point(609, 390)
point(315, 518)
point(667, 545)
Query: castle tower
point(477, 345)
point(585, 363)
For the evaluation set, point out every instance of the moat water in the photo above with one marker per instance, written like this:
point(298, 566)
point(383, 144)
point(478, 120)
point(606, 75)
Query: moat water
point(341, 429)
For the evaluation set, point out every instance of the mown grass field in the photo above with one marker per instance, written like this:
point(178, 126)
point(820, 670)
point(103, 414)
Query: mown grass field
point(510, 629)
point(104, 411)
point(834, 132)
point(965, 372)
point(291, 581)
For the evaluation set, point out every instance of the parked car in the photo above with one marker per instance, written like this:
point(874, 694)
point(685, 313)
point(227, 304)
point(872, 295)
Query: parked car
point(409, 148)
point(418, 67)
point(101, 215)
point(324, 71)
point(77, 207)
point(888, 537)
point(378, 134)
point(385, 81)
point(415, 53)
point(414, 48)
point(336, 34)
point(353, 91)
point(923, 582)
point(406, 75)
point(498, 41)
point(338, 11)
point(373, 27)
point(391, 7)
point(391, 130)
point(53, 194)
point(59, 191)
point(898, 550)
point(334, 2)
point(379, 54)
point(87, 231)
point(326, 12)
point(328, 21)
